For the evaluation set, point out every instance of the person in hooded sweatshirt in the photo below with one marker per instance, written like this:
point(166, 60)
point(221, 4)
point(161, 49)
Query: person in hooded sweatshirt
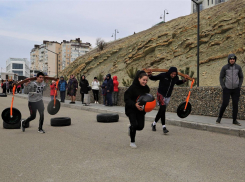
point(115, 90)
point(84, 87)
point(166, 85)
point(231, 78)
point(109, 89)
point(133, 110)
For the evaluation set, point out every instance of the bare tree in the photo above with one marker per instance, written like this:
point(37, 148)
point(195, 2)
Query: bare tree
point(100, 44)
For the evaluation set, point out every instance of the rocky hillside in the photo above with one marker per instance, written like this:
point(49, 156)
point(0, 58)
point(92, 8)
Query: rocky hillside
point(174, 43)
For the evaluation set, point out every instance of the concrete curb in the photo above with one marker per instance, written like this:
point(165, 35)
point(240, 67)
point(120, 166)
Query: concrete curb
point(181, 123)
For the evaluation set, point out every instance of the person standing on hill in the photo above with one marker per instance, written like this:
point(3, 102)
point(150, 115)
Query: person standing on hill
point(95, 89)
point(103, 86)
point(231, 79)
point(115, 90)
point(62, 88)
point(109, 90)
point(84, 87)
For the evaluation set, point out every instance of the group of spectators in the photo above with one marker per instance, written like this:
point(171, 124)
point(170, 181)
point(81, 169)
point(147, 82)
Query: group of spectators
point(109, 89)
point(8, 85)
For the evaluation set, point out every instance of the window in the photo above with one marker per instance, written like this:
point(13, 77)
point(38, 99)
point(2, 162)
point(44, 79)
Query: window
point(17, 66)
point(208, 2)
point(20, 73)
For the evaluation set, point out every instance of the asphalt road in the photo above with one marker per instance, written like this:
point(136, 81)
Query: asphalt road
point(92, 151)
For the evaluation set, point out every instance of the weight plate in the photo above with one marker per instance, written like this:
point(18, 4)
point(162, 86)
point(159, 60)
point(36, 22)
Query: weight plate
point(51, 109)
point(184, 113)
point(11, 120)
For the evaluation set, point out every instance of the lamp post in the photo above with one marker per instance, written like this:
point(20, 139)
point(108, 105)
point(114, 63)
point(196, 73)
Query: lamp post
point(198, 35)
point(57, 59)
point(116, 31)
point(163, 15)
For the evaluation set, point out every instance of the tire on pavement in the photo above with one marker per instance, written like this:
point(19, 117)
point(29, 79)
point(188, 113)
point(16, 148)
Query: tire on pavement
point(3, 95)
point(107, 117)
point(11, 126)
point(60, 121)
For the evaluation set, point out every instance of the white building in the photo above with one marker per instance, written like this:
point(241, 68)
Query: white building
point(204, 4)
point(18, 66)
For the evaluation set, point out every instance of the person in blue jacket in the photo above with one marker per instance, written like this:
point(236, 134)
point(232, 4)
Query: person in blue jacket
point(109, 89)
point(166, 85)
point(62, 88)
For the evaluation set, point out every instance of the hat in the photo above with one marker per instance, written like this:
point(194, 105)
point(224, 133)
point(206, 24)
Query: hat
point(95, 77)
point(61, 77)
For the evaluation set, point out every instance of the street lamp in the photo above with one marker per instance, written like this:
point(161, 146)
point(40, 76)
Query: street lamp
point(116, 31)
point(198, 36)
point(163, 15)
point(57, 59)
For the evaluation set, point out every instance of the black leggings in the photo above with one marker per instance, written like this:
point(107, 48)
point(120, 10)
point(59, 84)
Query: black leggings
point(235, 94)
point(33, 107)
point(161, 114)
point(96, 95)
point(137, 121)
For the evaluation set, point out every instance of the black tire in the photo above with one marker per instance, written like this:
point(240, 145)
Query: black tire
point(60, 121)
point(3, 95)
point(107, 118)
point(11, 126)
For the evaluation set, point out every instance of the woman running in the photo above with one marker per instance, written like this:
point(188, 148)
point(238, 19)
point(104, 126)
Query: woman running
point(133, 110)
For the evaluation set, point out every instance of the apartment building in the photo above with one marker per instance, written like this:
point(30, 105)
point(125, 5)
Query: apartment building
point(44, 56)
point(204, 4)
point(19, 66)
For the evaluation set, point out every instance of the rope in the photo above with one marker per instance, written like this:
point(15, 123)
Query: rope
point(12, 103)
point(188, 97)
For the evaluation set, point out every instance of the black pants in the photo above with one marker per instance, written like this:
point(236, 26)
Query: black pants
point(96, 95)
point(33, 107)
point(235, 94)
point(62, 96)
point(137, 121)
point(82, 97)
point(161, 114)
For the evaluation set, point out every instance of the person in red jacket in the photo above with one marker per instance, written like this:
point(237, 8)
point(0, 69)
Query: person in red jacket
point(52, 90)
point(115, 90)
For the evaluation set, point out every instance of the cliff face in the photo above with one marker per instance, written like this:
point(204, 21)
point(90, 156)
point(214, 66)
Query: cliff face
point(222, 31)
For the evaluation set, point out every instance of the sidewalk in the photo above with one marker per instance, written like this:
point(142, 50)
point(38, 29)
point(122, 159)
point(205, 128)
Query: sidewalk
point(192, 121)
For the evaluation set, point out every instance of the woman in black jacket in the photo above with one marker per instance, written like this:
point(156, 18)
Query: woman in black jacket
point(84, 87)
point(166, 85)
point(133, 110)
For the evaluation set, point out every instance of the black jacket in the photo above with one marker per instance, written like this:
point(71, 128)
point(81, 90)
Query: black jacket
point(109, 84)
point(131, 95)
point(84, 85)
point(167, 83)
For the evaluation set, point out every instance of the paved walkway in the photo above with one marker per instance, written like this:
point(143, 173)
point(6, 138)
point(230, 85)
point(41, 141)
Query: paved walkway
point(192, 121)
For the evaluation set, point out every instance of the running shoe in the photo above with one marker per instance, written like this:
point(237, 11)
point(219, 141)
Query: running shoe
point(165, 131)
point(23, 125)
point(41, 131)
point(218, 121)
point(132, 145)
point(237, 123)
point(153, 127)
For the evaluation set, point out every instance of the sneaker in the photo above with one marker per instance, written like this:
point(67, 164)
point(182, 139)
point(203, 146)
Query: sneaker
point(41, 131)
point(23, 125)
point(237, 123)
point(71, 102)
point(165, 131)
point(132, 145)
point(153, 127)
point(218, 121)
point(129, 129)
point(95, 102)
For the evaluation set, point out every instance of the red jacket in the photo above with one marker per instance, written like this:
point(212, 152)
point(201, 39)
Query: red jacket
point(115, 84)
point(52, 89)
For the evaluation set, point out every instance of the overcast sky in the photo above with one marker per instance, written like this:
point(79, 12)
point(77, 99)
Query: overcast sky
point(26, 23)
